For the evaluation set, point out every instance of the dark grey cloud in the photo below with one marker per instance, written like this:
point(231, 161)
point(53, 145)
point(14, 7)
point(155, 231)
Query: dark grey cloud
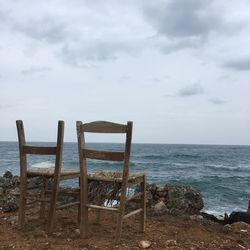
point(181, 18)
point(190, 24)
point(190, 90)
point(217, 101)
point(34, 70)
point(238, 64)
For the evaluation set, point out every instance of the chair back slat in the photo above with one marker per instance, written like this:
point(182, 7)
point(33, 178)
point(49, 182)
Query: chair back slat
point(39, 150)
point(108, 128)
point(103, 127)
point(103, 155)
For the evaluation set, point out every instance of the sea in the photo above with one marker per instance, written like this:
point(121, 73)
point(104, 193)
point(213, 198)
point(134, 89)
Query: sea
point(221, 173)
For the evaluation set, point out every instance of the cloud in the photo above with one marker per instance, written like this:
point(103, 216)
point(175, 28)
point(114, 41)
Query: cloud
point(190, 90)
point(189, 24)
point(182, 19)
point(217, 101)
point(238, 64)
point(43, 29)
point(78, 54)
point(33, 70)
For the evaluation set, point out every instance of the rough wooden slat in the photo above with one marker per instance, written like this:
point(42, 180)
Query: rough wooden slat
point(66, 173)
point(102, 208)
point(27, 149)
point(103, 127)
point(139, 194)
point(103, 155)
point(132, 213)
point(68, 205)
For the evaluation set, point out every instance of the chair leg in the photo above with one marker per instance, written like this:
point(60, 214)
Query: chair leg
point(98, 212)
point(84, 222)
point(52, 210)
point(143, 204)
point(22, 201)
point(83, 206)
point(43, 197)
point(120, 216)
point(79, 206)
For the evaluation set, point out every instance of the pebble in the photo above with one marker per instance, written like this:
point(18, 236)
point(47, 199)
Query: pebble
point(144, 244)
point(171, 243)
point(196, 217)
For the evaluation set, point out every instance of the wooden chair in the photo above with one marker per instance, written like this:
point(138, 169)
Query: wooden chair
point(54, 174)
point(123, 178)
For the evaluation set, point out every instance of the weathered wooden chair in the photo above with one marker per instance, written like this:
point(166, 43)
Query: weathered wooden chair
point(123, 179)
point(49, 174)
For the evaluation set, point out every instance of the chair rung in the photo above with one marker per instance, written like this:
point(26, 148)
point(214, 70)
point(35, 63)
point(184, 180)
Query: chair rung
point(102, 208)
point(31, 202)
point(37, 199)
point(65, 192)
point(68, 205)
point(133, 213)
point(34, 187)
point(134, 196)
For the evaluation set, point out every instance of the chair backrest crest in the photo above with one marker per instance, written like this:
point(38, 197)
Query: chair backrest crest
point(25, 149)
point(108, 128)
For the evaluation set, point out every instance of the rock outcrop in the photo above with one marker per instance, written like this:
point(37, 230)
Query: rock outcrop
point(9, 192)
point(177, 199)
point(174, 199)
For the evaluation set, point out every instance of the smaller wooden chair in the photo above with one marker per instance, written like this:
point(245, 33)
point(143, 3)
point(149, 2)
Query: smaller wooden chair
point(54, 174)
point(121, 179)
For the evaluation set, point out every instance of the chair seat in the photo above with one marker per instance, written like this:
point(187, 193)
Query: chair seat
point(49, 172)
point(115, 176)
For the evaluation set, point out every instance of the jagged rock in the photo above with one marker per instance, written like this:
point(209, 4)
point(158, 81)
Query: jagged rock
point(2, 181)
point(177, 198)
point(239, 216)
point(1, 191)
point(9, 182)
point(160, 208)
point(237, 226)
point(10, 204)
point(184, 199)
point(8, 174)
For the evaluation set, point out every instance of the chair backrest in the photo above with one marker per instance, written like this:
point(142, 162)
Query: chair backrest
point(25, 149)
point(107, 128)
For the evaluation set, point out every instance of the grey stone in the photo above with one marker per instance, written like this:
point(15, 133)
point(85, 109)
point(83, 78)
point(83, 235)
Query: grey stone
point(10, 204)
point(160, 208)
point(2, 181)
point(239, 216)
point(1, 191)
point(185, 199)
point(8, 174)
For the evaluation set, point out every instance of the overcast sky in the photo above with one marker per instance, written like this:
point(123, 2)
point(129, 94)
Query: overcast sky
point(179, 69)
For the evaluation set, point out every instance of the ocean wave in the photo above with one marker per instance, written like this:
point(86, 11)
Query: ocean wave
point(153, 156)
point(185, 156)
point(44, 164)
point(218, 168)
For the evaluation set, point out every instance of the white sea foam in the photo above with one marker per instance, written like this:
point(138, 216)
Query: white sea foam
point(44, 164)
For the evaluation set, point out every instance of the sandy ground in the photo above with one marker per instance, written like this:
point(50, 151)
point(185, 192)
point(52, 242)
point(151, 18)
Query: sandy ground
point(163, 232)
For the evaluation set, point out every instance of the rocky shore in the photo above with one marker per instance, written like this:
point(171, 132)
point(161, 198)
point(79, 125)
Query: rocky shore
point(172, 199)
point(174, 221)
